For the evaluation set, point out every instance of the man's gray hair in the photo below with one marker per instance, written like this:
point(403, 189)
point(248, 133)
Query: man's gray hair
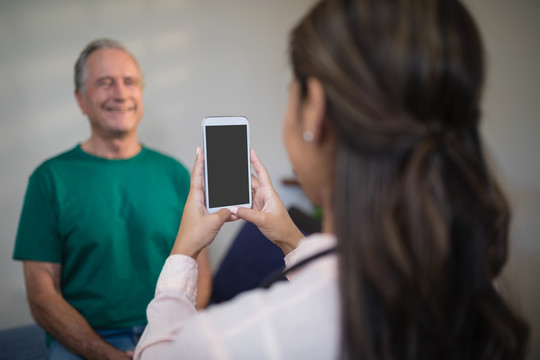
point(80, 64)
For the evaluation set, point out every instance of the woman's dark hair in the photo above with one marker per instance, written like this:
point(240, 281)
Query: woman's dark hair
point(422, 225)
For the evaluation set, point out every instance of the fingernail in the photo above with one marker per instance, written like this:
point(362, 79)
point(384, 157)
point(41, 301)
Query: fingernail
point(198, 150)
point(233, 209)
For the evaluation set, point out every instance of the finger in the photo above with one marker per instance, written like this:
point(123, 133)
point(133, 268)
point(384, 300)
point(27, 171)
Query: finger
point(233, 216)
point(197, 174)
point(254, 182)
point(262, 174)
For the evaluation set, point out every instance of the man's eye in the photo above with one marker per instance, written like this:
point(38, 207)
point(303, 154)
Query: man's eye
point(131, 82)
point(105, 82)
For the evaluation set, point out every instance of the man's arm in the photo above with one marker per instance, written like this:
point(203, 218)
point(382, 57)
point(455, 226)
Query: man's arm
point(54, 314)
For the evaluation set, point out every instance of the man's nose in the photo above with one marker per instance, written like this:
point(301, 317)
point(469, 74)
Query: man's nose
point(119, 91)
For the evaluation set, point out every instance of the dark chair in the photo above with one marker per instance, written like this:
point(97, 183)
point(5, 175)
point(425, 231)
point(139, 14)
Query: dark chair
point(23, 343)
point(252, 258)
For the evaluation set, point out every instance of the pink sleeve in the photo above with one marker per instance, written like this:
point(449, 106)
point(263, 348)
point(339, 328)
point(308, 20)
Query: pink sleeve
point(172, 306)
point(241, 326)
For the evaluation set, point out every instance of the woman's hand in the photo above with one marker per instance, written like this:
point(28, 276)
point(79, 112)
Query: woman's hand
point(198, 228)
point(268, 212)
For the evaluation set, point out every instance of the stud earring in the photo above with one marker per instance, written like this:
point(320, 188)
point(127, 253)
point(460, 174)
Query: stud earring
point(308, 136)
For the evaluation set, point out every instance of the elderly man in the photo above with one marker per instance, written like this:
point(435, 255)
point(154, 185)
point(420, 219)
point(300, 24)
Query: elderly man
point(99, 220)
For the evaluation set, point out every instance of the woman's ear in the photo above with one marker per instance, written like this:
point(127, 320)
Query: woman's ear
point(314, 110)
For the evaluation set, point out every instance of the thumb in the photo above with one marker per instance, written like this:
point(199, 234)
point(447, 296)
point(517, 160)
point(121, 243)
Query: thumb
point(223, 215)
point(253, 216)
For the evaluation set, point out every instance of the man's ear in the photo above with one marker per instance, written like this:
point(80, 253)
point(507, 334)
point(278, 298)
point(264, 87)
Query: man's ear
point(81, 100)
point(314, 109)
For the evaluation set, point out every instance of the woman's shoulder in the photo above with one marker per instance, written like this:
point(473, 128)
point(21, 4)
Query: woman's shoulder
point(312, 247)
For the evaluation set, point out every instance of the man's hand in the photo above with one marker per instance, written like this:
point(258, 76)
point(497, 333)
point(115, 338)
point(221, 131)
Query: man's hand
point(54, 314)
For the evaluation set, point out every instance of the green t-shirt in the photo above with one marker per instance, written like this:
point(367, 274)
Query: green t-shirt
point(110, 223)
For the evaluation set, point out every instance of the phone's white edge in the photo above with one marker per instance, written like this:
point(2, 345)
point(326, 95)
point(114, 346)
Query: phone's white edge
point(216, 209)
point(225, 120)
point(218, 121)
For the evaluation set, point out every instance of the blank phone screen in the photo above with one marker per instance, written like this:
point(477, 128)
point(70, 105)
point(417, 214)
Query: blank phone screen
point(227, 165)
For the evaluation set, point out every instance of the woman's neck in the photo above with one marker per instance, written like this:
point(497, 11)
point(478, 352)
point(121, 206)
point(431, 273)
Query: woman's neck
point(327, 225)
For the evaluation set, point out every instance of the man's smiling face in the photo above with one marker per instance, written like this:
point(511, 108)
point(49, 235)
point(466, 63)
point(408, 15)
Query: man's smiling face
point(112, 99)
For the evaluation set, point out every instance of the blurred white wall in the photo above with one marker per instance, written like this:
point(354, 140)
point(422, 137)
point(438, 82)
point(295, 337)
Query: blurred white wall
point(210, 57)
point(200, 58)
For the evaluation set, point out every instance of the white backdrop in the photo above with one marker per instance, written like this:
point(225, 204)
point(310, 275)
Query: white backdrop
point(216, 57)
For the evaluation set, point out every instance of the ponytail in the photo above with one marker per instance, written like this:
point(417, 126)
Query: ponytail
point(422, 225)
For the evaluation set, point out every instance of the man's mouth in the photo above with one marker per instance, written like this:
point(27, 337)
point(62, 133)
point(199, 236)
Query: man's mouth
point(120, 109)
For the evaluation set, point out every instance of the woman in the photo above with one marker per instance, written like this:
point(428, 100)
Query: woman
point(382, 129)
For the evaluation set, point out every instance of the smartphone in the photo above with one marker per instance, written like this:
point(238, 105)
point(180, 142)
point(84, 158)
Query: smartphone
point(227, 172)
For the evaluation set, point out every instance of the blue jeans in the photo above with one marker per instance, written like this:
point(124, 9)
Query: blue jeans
point(123, 339)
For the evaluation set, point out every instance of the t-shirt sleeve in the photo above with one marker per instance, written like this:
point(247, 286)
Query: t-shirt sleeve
point(38, 237)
